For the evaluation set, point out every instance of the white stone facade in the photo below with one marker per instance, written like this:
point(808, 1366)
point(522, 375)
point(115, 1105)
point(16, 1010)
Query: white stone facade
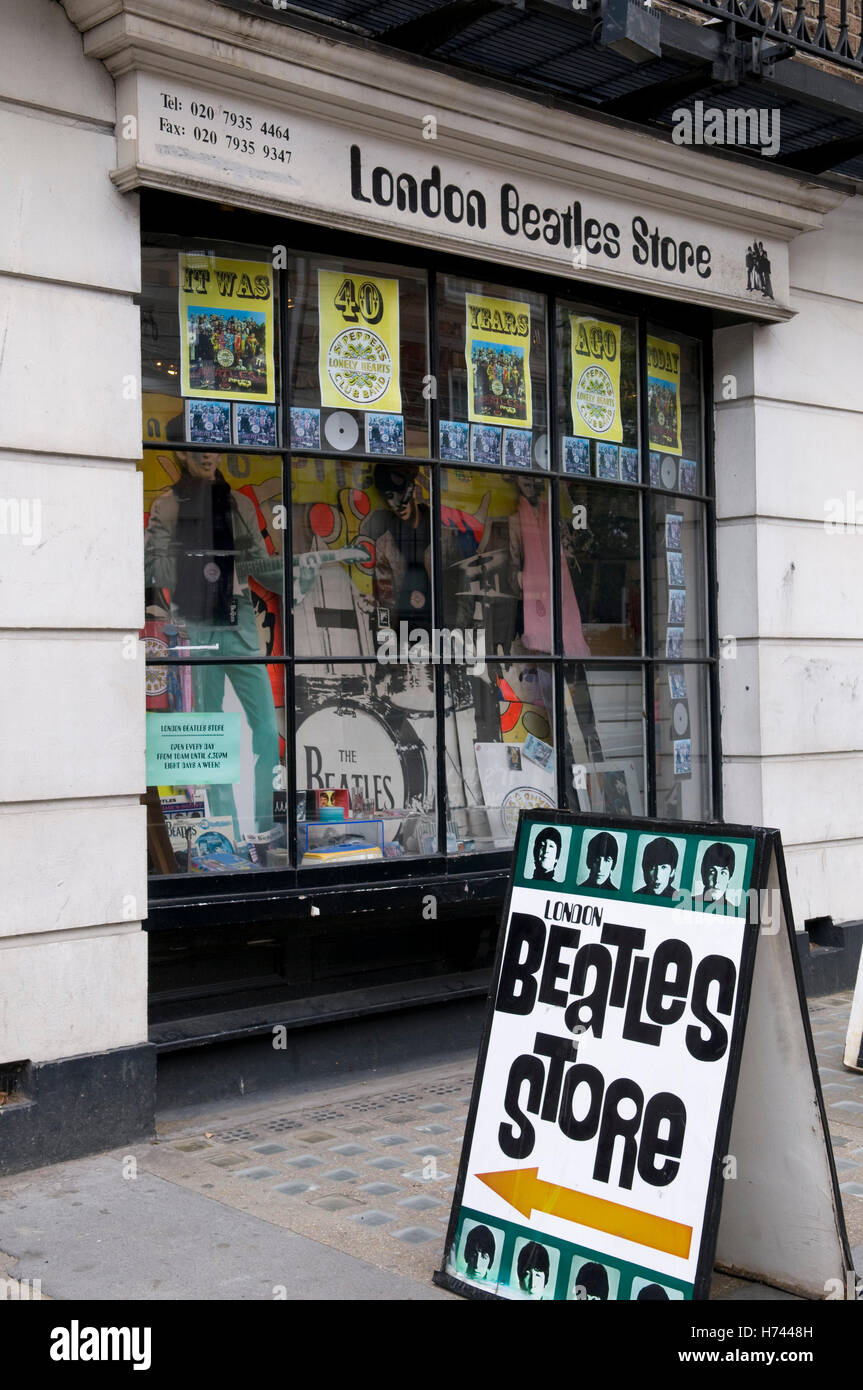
point(73, 962)
point(789, 580)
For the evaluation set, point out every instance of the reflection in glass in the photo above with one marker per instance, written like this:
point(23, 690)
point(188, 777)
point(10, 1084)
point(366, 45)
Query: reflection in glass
point(377, 315)
point(362, 556)
point(499, 750)
point(597, 396)
point(212, 554)
point(683, 773)
point(675, 405)
point(215, 740)
point(224, 354)
point(496, 555)
point(492, 374)
point(601, 569)
point(366, 763)
point(605, 732)
point(679, 589)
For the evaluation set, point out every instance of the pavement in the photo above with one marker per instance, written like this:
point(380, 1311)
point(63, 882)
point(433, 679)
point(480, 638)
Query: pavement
point(340, 1195)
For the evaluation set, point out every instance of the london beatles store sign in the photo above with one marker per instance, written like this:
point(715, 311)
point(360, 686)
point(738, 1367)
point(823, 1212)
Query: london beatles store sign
point(185, 136)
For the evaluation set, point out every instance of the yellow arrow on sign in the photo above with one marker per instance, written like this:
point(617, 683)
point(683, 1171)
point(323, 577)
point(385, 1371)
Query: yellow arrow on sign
point(526, 1191)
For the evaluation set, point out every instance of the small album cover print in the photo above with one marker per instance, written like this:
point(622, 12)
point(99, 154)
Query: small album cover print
point(677, 606)
point(674, 643)
point(676, 578)
point(688, 475)
point(655, 478)
point(576, 455)
point(454, 441)
point(485, 443)
point(305, 428)
point(673, 530)
point(208, 422)
point(608, 462)
point(385, 434)
point(513, 757)
point(538, 752)
point(677, 685)
point(516, 448)
point(629, 465)
point(683, 757)
point(255, 425)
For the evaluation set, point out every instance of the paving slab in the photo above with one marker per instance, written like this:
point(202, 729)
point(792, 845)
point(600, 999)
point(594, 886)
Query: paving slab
point(87, 1232)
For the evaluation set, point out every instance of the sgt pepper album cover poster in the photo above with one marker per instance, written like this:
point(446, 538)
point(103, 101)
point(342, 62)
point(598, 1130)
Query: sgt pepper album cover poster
point(226, 328)
point(497, 354)
point(663, 395)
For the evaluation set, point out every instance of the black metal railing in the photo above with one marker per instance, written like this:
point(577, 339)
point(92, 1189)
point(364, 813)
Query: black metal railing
point(810, 26)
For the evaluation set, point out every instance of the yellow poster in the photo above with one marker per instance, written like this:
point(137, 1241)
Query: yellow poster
point(663, 395)
point(595, 395)
point(358, 326)
point(226, 328)
point(497, 353)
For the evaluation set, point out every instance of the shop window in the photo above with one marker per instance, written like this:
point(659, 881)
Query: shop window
point(496, 558)
point(394, 596)
point(366, 763)
point(601, 567)
point(362, 556)
point(359, 373)
point(500, 750)
point(492, 377)
point(605, 740)
point(597, 394)
point(682, 756)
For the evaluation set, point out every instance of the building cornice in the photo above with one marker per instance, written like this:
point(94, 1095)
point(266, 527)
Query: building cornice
point(382, 94)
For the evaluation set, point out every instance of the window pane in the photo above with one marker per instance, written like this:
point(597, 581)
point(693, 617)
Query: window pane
point(499, 750)
point(492, 374)
point(675, 412)
point(683, 774)
point(366, 763)
point(210, 344)
point(600, 560)
point(679, 591)
point(597, 393)
point(362, 556)
point(496, 560)
point(359, 357)
point(605, 740)
point(214, 572)
point(215, 768)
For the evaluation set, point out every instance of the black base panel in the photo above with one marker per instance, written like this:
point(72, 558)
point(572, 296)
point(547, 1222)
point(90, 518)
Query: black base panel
point(830, 968)
point(319, 1056)
point(78, 1106)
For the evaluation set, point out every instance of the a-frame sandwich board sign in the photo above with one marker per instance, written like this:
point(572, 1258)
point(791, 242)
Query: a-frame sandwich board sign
point(646, 1096)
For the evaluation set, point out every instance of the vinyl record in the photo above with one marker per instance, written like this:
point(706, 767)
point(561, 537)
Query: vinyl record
point(341, 430)
point(680, 718)
point(668, 471)
point(540, 451)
